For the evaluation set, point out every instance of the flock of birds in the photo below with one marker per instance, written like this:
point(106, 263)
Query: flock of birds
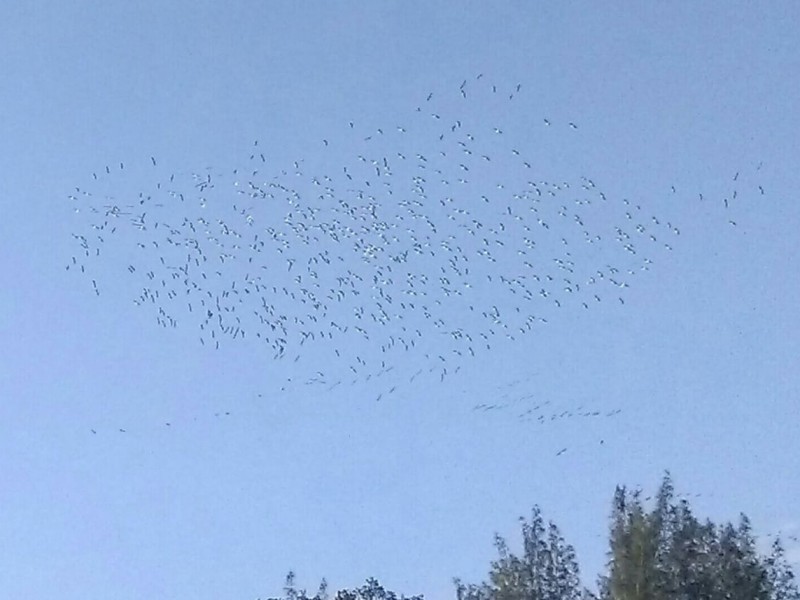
point(426, 243)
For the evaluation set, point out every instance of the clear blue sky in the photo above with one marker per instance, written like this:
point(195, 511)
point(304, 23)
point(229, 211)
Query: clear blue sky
point(693, 370)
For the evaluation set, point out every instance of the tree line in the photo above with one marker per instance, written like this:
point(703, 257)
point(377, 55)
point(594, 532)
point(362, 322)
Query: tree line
point(664, 553)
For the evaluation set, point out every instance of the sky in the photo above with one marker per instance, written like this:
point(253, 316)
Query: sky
point(347, 288)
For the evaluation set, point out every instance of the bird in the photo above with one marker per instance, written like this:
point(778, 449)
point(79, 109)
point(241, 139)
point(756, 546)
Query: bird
point(433, 255)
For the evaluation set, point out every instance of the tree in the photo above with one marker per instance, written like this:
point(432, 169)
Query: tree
point(780, 578)
point(667, 554)
point(546, 570)
point(371, 590)
point(633, 551)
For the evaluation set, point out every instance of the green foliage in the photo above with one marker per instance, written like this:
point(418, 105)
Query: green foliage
point(371, 590)
point(665, 553)
point(546, 570)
